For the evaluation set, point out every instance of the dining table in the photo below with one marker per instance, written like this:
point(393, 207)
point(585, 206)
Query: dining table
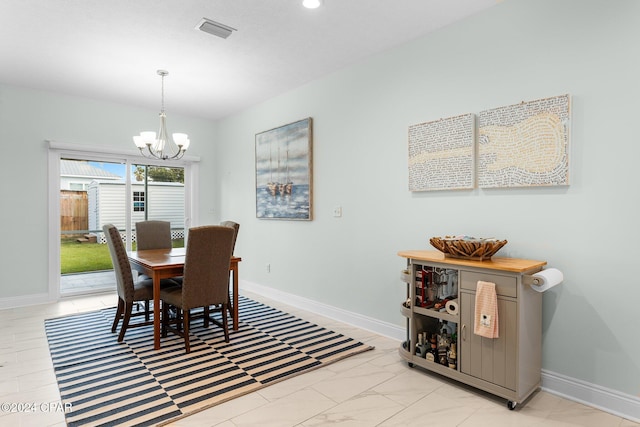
point(166, 263)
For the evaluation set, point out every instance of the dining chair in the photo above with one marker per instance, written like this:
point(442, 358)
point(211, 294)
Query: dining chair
point(236, 228)
point(205, 281)
point(129, 292)
point(153, 234)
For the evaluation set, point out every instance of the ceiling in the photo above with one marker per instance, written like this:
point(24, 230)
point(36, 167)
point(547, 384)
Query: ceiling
point(111, 50)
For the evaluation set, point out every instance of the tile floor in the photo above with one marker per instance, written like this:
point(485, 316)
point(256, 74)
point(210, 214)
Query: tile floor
point(375, 388)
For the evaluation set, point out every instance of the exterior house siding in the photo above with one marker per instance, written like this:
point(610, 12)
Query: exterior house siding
point(163, 201)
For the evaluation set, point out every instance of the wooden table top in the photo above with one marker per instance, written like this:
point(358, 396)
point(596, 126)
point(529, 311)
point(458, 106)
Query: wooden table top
point(159, 257)
point(163, 257)
point(496, 263)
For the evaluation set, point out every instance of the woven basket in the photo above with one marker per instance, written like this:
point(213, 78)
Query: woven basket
point(467, 248)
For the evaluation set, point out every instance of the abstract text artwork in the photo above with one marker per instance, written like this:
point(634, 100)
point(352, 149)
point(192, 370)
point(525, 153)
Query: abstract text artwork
point(441, 154)
point(525, 145)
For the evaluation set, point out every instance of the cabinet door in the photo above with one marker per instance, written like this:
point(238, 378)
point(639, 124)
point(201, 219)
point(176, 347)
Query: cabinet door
point(492, 360)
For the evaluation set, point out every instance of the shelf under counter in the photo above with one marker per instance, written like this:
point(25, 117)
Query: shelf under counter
point(442, 315)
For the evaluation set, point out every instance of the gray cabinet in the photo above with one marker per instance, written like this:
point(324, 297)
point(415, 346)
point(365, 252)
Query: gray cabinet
point(508, 366)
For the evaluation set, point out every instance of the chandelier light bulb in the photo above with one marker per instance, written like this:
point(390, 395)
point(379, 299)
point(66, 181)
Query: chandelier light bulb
point(311, 4)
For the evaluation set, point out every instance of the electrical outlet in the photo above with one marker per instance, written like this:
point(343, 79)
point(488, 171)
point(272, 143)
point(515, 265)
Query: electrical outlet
point(268, 268)
point(337, 212)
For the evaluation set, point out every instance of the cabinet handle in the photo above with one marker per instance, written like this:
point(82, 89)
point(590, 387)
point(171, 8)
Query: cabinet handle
point(464, 334)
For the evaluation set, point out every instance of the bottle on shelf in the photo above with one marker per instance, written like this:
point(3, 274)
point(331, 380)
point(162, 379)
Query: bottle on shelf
point(423, 345)
point(444, 342)
point(452, 356)
point(432, 352)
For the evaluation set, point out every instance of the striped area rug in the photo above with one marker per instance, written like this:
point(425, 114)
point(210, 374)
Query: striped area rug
point(109, 383)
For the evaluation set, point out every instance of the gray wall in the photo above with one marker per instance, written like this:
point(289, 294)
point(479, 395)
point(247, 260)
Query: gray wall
point(517, 51)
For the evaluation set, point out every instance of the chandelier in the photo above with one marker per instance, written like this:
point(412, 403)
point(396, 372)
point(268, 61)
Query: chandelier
point(162, 147)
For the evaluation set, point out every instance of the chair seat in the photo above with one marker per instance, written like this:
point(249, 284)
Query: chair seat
point(143, 290)
point(172, 295)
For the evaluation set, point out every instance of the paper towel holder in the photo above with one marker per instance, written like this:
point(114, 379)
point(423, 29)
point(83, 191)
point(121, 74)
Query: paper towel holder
point(531, 280)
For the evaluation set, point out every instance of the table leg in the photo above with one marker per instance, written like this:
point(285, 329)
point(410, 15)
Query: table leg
point(235, 296)
point(156, 311)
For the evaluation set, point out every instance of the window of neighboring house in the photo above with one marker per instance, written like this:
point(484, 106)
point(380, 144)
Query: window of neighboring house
point(138, 201)
point(76, 186)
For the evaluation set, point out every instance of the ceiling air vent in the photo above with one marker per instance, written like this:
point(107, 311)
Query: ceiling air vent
point(215, 28)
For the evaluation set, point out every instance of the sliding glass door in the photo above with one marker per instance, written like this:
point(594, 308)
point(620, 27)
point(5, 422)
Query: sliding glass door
point(98, 192)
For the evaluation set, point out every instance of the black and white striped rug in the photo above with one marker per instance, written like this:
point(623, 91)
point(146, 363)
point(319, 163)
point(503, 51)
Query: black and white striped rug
point(103, 382)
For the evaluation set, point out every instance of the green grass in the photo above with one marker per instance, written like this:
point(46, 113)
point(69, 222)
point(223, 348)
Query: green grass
point(83, 257)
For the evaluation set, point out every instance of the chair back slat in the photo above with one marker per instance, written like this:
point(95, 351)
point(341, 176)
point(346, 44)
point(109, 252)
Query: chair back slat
point(236, 228)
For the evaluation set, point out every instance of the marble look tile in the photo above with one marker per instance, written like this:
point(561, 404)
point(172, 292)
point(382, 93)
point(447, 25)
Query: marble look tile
point(36, 380)
point(292, 385)
point(355, 361)
point(291, 411)
point(384, 343)
point(40, 419)
point(433, 410)
point(362, 410)
point(351, 382)
point(8, 386)
point(219, 415)
point(500, 416)
point(391, 362)
point(407, 388)
point(466, 395)
point(582, 415)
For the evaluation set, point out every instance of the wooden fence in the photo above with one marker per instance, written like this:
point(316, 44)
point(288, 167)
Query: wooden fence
point(74, 211)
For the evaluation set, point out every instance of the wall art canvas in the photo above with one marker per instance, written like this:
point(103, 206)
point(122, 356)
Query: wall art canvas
point(441, 154)
point(525, 145)
point(283, 172)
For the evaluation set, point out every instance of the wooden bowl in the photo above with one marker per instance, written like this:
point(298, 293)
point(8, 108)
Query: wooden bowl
point(468, 248)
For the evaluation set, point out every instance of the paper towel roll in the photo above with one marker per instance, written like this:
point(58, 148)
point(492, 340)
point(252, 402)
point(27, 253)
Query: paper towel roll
point(452, 307)
point(547, 279)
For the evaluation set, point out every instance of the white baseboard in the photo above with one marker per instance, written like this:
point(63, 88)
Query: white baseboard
point(381, 328)
point(24, 301)
point(611, 401)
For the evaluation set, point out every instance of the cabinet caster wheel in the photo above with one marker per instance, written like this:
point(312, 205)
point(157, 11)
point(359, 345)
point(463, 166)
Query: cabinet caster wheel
point(511, 405)
point(410, 365)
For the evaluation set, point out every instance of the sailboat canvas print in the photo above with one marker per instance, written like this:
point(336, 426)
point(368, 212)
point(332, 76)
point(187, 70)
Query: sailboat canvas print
point(284, 173)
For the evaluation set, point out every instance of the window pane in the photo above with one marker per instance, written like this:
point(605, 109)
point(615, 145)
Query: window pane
point(91, 195)
point(158, 194)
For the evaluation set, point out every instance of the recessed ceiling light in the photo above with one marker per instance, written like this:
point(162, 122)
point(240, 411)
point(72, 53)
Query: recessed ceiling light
point(311, 4)
point(215, 28)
